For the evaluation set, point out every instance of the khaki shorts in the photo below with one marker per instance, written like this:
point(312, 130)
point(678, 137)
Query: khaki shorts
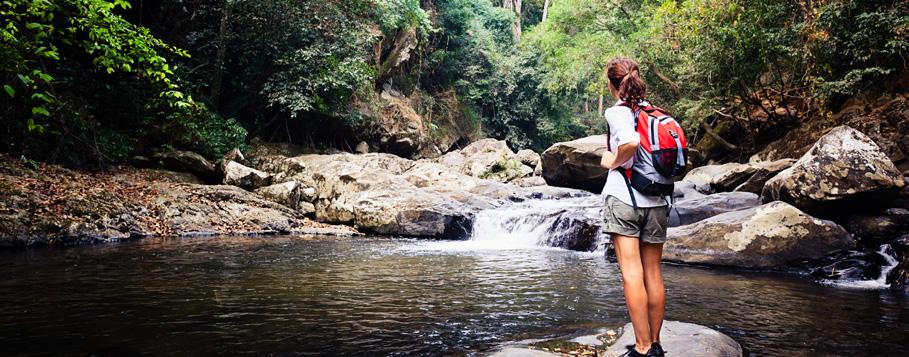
point(646, 223)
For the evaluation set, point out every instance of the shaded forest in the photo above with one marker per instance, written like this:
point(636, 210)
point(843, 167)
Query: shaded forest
point(90, 83)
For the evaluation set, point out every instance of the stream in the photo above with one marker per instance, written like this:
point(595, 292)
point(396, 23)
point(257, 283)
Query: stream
point(394, 296)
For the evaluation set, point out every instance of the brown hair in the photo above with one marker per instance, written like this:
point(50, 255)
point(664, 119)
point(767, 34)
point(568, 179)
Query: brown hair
point(624, 75)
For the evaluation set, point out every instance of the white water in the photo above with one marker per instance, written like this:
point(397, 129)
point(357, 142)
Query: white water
point(889, 255)
point(534, 224)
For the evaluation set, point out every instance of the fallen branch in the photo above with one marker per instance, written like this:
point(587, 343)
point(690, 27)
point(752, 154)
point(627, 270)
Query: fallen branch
point(717, 137)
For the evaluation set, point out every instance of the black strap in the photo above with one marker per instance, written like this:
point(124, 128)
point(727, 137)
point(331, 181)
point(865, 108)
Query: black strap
point(634, 202)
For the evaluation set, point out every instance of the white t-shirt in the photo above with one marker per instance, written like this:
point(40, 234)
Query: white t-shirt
point(621, 131)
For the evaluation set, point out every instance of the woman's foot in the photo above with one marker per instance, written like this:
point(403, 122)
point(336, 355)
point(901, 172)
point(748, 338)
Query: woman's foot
point(657, 349)
point(633, 352)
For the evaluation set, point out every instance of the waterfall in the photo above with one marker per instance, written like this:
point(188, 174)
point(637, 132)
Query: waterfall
point(889, 255)
point(571, 223)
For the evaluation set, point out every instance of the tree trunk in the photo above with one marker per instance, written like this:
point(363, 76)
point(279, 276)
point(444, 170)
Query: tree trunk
point(600, 105)
point(515, 7)
point(223, 32)
point(546, 10)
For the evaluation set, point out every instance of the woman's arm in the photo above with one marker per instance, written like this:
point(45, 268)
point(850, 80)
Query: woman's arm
point(624, 153)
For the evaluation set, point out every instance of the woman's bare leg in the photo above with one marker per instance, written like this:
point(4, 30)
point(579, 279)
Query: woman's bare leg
point(656, 292)
point(628, 253)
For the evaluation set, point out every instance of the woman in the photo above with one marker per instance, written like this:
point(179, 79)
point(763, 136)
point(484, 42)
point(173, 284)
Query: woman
point(638, 224)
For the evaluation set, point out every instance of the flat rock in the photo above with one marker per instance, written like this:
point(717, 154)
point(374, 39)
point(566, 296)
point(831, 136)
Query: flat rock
point(774, 235)
point(682, 339)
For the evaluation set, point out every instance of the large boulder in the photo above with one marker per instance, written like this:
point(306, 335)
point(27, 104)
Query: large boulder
point(692, 210)
point(683, 339)
point(576, 164)
point(748, 177)
point(187, 161)
point(843, 167)
point(245, 177)
point(386, 204)
point(774, 235)
point(486, 159)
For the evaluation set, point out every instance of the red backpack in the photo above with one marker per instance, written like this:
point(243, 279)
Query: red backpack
point(662, 153)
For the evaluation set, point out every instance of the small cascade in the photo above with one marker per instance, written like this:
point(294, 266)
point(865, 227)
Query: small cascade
point(888, 263)
point(570, 223)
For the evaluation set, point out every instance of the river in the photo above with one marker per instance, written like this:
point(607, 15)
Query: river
point(377, 296)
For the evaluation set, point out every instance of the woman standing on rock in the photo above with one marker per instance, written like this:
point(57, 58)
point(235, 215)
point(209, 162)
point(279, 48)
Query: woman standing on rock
point(637, 222)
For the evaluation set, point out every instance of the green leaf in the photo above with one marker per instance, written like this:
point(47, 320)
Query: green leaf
point(9, 90)
point(40, 110)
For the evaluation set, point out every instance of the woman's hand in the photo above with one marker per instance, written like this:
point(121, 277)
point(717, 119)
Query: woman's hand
point(608, 160)
point(625, 153)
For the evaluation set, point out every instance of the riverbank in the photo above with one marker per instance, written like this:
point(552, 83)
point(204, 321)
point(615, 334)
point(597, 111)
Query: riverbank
point(49, 205)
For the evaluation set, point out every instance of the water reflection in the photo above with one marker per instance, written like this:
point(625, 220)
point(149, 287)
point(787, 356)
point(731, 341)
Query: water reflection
point(310, 295)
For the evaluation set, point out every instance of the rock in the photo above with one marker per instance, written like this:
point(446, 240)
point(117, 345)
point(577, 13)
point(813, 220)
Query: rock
point(538, 170)
point(530, 181)
point(308, 194)
point(287, 193)
point(528, 157)
point(247, 178)
point(844, 167)
point(362, 148)
point(487, 159)
point(765, 171)
point(692, 210)
point(576, 164)
point(703, 177)
point(774, 235)
point(685, 190)
point(222, 208)
point(287, 167)
point(521, 352)
point(849, 265)
point(878, 229)
point(386, 204)
point(683, 339)
point(306, 208)
point(187, 161)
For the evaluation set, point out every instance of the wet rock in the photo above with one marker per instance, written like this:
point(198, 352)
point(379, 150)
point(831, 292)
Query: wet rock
point(845, 167)
point(684, 339)
point(576, 164)
point(689, 211)
point(898, 278)
point(245, 177)
point(187, 161)
point(774, 235)
point(849, 265)
point(287, 193)
point(528, 157)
